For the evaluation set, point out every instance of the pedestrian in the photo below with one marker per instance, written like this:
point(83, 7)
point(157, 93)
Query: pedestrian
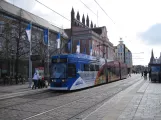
point(149, 74)
point(145, 75)
point(35, 79)
point(40, 83)
point(129, 75)
point(142, 73)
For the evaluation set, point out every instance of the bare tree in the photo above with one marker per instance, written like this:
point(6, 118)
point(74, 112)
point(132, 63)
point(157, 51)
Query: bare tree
point(6, 43)
point(15, 42)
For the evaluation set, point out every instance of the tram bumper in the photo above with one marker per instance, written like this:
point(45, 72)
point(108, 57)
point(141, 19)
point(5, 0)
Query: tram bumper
point(58, 88)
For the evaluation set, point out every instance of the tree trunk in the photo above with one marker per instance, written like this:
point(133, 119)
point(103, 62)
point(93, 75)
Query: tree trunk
point(17, 52)
point(8, 67)
point(16, 69)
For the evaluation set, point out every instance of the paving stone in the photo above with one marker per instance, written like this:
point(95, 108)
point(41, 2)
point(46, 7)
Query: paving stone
point(64, 106)
point(6, 114)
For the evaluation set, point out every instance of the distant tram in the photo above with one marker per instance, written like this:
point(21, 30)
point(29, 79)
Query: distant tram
point(155, 70)
point(77, 71)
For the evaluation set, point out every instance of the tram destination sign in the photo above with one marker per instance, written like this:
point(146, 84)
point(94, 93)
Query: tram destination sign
point(59, 60)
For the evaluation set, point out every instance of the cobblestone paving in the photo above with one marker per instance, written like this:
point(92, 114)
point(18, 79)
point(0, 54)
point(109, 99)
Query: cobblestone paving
point(59, 105)
point(145, 105)
point(17, 88)
point(114, 107)
point(150, 105)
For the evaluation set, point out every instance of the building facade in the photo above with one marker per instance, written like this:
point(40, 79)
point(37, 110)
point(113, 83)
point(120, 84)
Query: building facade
point(89, 37)
point(14, 44)
point(123, 54)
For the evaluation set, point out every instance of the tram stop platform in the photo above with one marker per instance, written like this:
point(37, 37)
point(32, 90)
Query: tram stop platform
point(9, 91)
point(141, 101)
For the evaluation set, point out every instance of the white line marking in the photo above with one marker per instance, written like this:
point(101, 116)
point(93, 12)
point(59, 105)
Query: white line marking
point(52, 109)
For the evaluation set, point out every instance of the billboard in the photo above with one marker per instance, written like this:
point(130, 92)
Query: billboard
point(40, 71)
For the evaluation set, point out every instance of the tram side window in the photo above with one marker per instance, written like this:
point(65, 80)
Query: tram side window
point(71, 70)
point(92, 68)
point(86, 67)
point(96, 67)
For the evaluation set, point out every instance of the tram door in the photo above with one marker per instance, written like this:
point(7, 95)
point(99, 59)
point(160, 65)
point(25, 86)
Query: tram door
point(106, 71)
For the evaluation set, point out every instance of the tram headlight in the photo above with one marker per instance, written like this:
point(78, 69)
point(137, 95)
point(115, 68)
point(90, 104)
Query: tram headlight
point(64, 80)
point(53, 80)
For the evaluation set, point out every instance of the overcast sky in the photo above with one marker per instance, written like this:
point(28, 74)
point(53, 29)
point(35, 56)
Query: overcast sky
point(138, 22)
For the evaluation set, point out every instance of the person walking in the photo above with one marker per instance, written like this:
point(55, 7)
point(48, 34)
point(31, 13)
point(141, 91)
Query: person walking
point(129, 74)
point(149, 74)
point(145, 75)
point(142, 74)
point(35, 79)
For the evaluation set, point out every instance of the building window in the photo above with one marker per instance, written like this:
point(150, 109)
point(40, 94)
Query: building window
point(1, 27)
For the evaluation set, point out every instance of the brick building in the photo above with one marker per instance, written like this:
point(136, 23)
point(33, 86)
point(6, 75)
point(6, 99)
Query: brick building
point(14, 45)
point(89, 36)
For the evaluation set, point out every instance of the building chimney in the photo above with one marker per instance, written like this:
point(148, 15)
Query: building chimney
point(87, 21)
point(78, 16)
point(72, 17)
point(91, 24)
point(83, 19)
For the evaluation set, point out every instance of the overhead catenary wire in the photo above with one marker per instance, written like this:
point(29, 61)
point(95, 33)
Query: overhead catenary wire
point(104, 11)
point(88, 7)
point(106, 14)
point(53, 10)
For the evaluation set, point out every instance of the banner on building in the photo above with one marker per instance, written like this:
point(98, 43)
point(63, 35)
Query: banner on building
point(46, 36)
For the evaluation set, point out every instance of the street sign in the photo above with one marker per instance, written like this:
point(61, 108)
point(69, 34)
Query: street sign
point(35, 57)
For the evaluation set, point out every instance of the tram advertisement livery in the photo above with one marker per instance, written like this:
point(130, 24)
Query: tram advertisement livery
point(77, 71)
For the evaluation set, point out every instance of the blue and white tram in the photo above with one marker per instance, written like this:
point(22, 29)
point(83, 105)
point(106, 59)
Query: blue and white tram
point(76, 71)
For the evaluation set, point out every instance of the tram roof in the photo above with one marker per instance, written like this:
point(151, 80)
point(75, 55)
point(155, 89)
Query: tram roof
point(83, 56)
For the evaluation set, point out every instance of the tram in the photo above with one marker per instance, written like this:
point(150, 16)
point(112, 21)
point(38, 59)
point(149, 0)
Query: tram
point(155, 70)
point(77, 71)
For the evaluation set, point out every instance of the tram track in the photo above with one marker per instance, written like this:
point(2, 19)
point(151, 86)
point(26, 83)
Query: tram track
point(88, 108)
point(29, 101)
point(100, 103)
point(18, 94)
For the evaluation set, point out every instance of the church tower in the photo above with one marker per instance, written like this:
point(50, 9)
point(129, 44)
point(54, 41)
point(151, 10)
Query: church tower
point(152, 57)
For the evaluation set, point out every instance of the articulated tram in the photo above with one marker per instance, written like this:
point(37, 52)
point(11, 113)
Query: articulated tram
point(77, 71)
